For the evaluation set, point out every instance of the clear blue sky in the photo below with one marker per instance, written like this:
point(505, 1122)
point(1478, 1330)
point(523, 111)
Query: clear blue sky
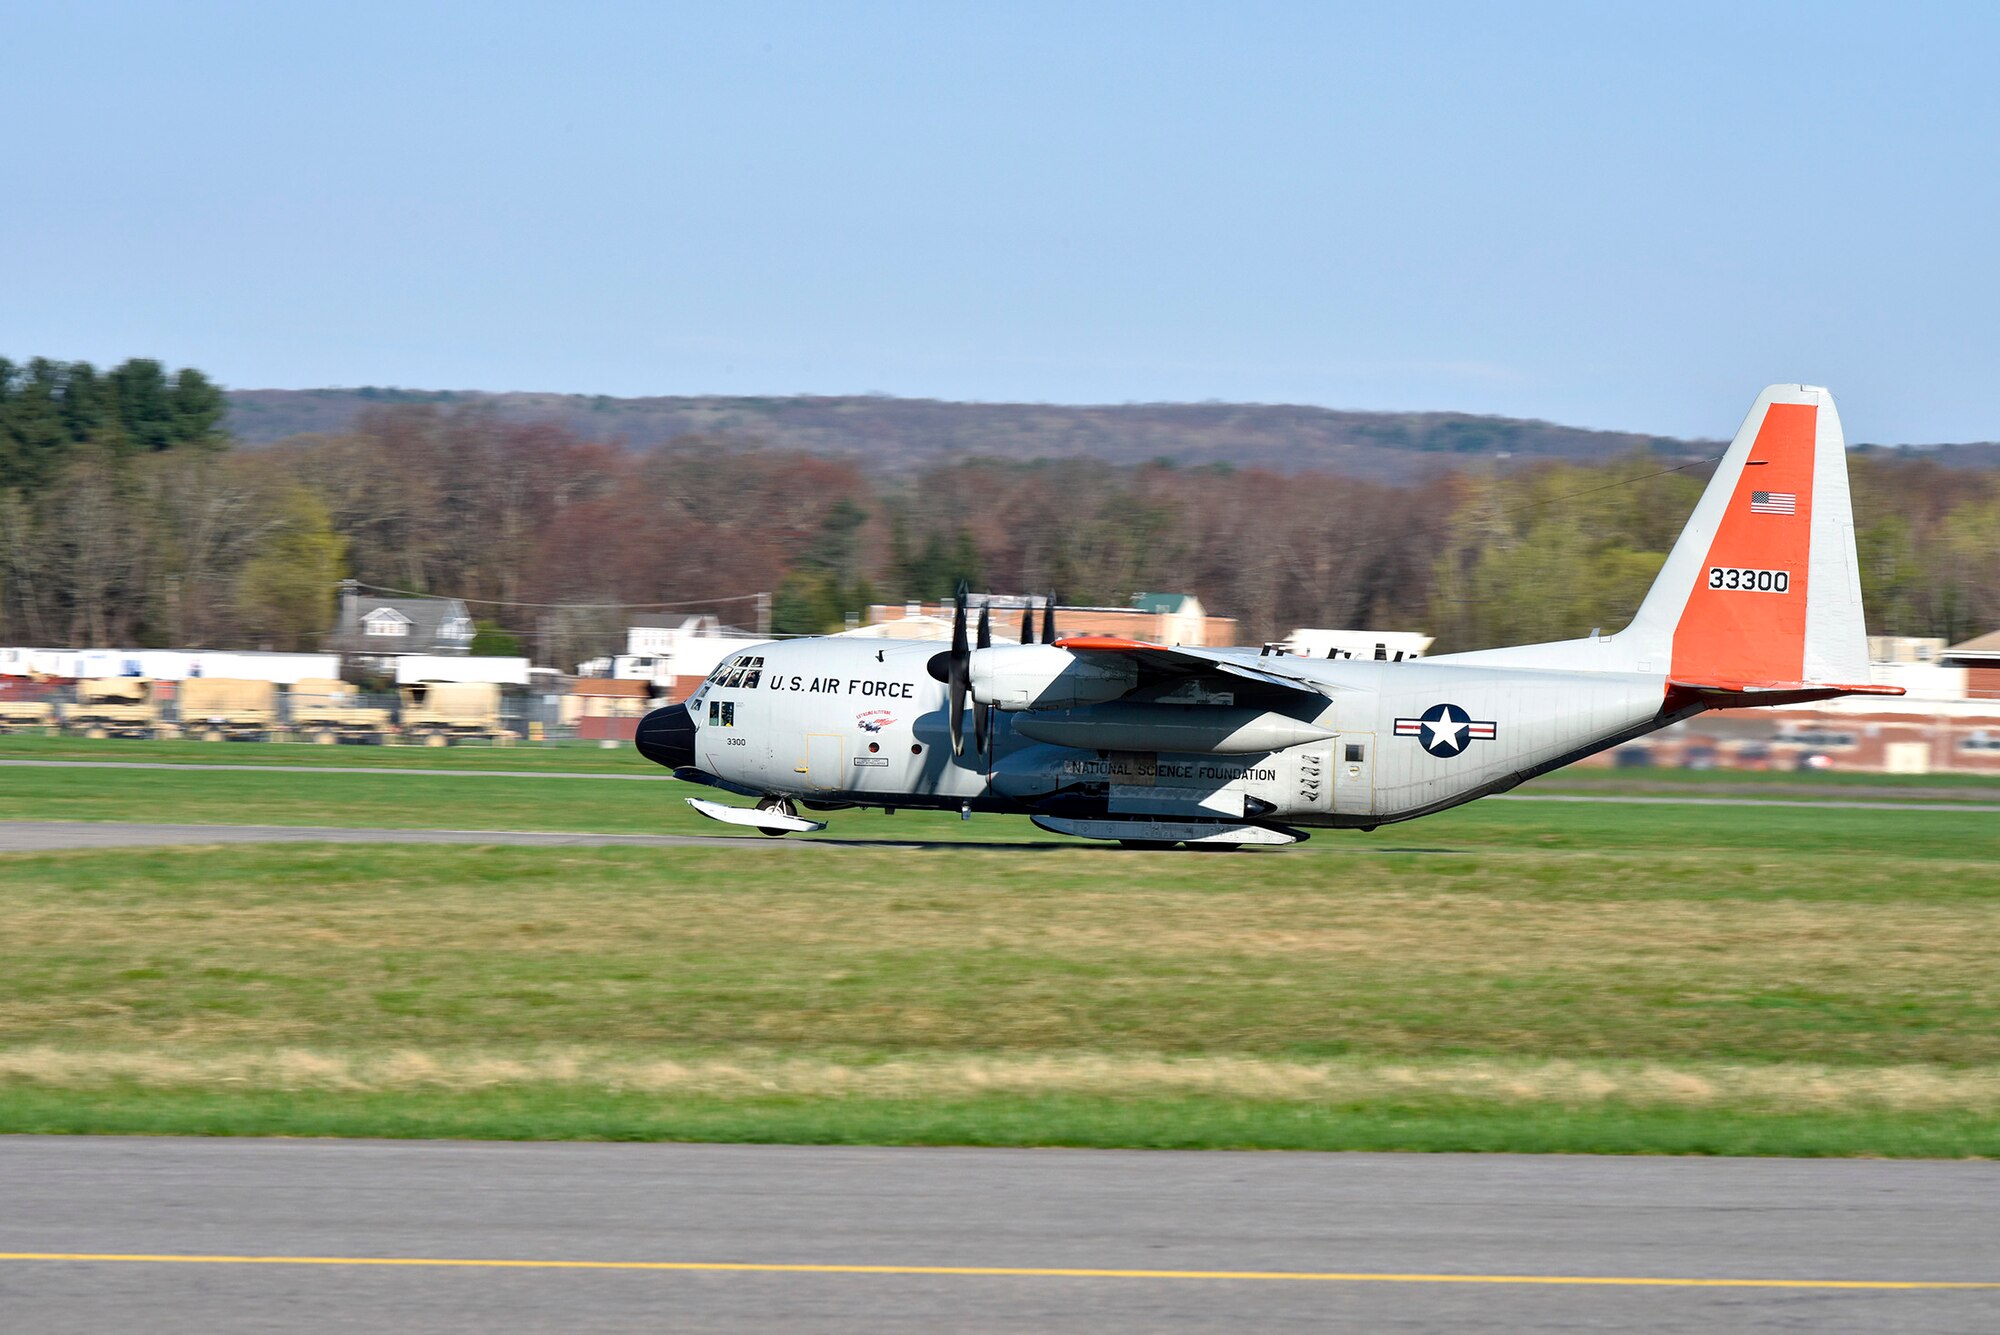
point(1610, 215)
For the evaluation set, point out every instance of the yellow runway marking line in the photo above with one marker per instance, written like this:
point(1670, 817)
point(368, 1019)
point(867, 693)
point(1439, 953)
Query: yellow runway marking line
point(1008, 1272)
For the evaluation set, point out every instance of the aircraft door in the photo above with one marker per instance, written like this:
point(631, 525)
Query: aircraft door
point(826, 760)
point(1354, 774)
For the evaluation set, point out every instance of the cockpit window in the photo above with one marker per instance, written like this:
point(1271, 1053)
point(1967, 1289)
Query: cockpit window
point(746, 670)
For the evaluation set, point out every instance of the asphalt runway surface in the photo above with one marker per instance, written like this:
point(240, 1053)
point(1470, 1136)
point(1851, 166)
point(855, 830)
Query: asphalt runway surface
point(46, 836)
point(41, 836)
point(354, 1235)
point(1736, 799)
point(661, 777)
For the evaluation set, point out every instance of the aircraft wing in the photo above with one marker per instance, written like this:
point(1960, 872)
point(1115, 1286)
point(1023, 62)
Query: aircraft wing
point(1158, 662)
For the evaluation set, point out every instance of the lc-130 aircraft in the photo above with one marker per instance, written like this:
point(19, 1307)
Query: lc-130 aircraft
point(1759, 603)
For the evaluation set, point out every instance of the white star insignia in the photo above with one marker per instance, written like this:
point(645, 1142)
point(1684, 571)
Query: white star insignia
point(1445, 731)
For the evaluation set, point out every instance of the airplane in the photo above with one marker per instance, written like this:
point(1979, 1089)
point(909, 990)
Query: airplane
point(1158, 746)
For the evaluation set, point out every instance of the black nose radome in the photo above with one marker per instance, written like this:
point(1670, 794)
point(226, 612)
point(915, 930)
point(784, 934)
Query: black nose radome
point(666, 737)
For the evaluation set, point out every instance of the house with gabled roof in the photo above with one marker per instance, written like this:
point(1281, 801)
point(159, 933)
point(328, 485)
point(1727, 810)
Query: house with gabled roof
point(386, 628)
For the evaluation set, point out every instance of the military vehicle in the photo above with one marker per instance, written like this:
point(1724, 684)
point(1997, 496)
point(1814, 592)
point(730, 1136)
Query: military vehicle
point(1152, 745)
point(215, 709)
point(28, 716)
point(326, 711)
point(115, 707)
point(438, 713)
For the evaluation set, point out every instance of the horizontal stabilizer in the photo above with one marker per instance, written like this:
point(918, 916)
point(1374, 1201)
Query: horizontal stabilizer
point(1727, 695)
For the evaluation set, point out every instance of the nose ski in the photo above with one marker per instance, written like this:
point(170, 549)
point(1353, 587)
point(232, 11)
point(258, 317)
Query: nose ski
point(771, 819)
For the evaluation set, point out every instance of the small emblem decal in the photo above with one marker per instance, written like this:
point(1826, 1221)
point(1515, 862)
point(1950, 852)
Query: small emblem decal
point(1446, 730)
point(1774, 502)
point(873, 720)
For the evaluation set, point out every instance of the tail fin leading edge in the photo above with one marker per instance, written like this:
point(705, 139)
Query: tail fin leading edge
point(1762, 592)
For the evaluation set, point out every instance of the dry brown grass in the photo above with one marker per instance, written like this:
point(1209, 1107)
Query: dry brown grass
point(1789, 1087)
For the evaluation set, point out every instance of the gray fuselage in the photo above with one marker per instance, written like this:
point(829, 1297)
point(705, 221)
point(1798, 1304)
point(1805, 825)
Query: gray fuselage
point(855, 722)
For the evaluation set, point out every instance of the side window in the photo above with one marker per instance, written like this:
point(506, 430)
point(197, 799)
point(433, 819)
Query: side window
point(1356, 751)
point(753, 671)
point(728, 713)
point(714, 711)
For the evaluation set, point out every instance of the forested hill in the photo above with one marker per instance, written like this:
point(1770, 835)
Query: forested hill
point(126, 518)
point(902, 436)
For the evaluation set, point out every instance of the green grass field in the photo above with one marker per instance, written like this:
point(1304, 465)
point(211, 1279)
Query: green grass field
point(448, 797)
point(1539, 976)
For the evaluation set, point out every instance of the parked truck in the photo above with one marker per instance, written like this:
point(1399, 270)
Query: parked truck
point(20, 713)
point(217, 708)
point(438, 713)
point(327, 711)
point(115, 707)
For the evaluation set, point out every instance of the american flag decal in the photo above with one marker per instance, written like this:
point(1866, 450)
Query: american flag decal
point(1774, 502)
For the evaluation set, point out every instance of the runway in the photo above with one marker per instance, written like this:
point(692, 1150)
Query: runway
point(436, 773)
point(1737, 797)
point(42, 836)
point(693, 1237)
point(49, 836)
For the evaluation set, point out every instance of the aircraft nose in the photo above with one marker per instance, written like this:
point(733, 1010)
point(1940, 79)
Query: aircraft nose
point(666, 737)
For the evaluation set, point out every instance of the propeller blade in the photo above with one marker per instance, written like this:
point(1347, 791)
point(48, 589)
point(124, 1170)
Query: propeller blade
point(1028, 622)
point(982, 715)
point(1049, 619)
point(961, 672)
point(957, 717)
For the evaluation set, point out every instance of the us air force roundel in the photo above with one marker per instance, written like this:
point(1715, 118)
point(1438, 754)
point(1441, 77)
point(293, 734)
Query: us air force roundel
point(1446, 730)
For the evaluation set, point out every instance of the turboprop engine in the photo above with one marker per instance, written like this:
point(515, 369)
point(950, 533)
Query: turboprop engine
point(1041, 676)
point(1018, 677)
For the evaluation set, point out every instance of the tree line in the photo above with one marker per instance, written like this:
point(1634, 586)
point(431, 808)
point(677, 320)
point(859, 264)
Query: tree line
point(137, 525)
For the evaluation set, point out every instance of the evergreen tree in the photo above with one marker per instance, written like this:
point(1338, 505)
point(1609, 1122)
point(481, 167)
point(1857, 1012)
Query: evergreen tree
point(196, 407)
point(33, 440)
point(84, 401)
point(144, 405)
